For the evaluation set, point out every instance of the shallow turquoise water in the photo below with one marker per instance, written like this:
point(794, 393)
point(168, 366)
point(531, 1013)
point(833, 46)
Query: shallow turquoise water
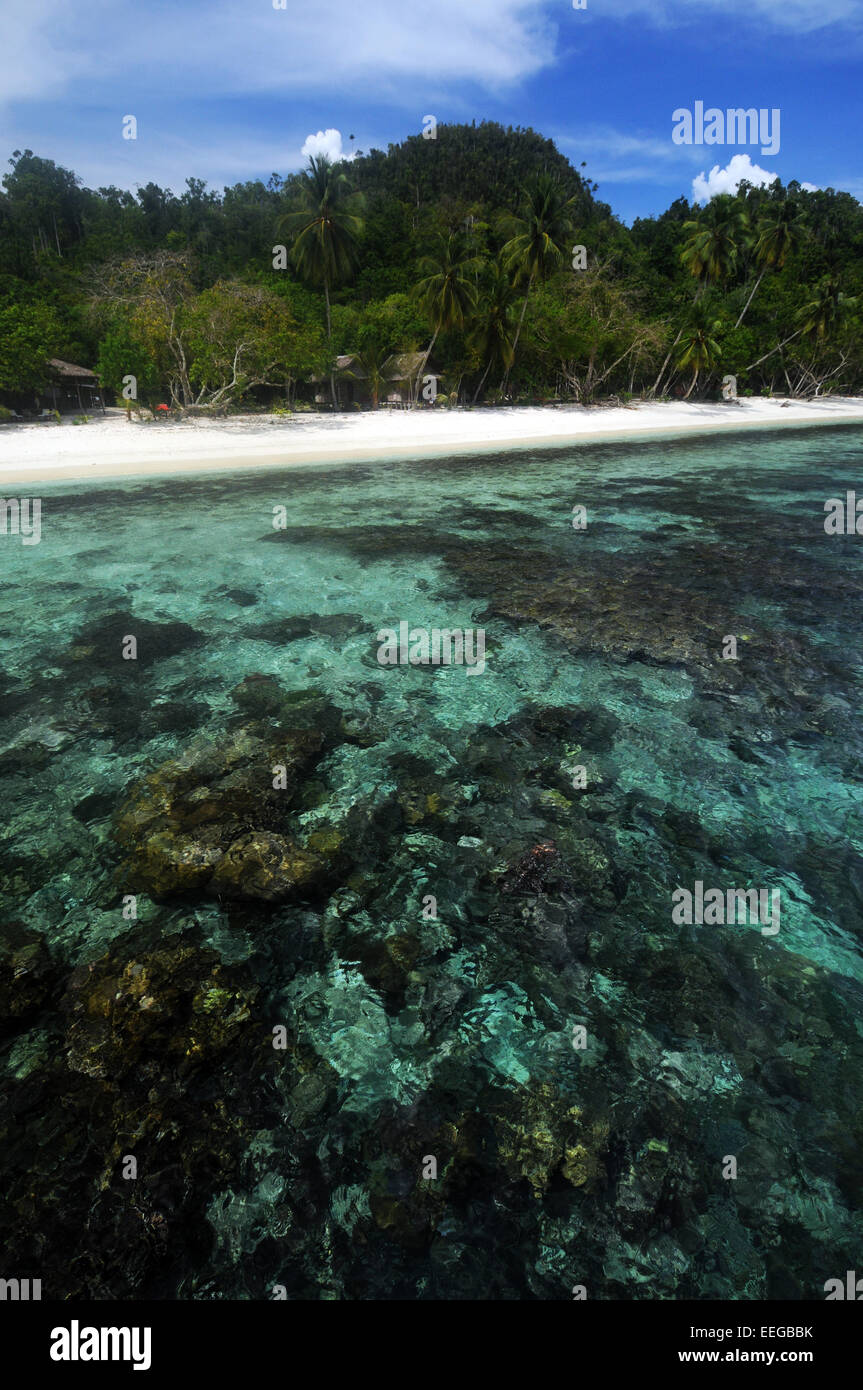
point(410, 1035)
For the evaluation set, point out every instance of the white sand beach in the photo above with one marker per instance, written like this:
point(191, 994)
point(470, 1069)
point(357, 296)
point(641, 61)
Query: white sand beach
point(112, 447)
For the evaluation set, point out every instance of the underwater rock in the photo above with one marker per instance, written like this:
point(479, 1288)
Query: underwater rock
point(174, 716)
point(288, 714)
point(174, 1006)
point(540, 1134)
point(533, 871)
point(290, 629)
point(176, 825)
point(671, 609)
point(406, 1207)
point(100, 643)
point(266, 866)
point(161, 1048)
point(27, 976)
point(258, 696)
point(315, 1090)
point(243, 598)
point(593, 727)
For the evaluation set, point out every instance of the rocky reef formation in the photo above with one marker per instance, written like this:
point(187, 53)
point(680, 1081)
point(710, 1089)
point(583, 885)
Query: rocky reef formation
point(217, 817)
point(401, 1011)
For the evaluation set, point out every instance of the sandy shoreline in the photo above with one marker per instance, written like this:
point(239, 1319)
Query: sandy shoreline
point(110, 447)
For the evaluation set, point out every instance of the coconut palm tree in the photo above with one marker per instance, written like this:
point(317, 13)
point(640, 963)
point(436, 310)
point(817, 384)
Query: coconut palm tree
point(825, 312)
point(777, 233)
point(715, 242)
point(699, 349)
point(370, 361)
point(325, 228)
point(538, 237)
point(447, 293)
point(493, 330)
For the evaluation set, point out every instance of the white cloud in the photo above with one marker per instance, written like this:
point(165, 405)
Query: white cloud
point(407, 52)
point(811, 187)
point(729, 179)
point(616, 144)
point(326, 142)
point(795, 16)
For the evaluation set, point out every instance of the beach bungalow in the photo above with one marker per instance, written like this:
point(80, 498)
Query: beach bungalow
point(403, 372)
point(71, 387)
point(350, 380)
point(400, 375)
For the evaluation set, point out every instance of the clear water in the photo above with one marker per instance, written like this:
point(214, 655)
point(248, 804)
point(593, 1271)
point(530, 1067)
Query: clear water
point(411, 1036)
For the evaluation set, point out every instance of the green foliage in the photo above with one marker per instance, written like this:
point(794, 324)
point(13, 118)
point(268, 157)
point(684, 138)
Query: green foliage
point(461, 244)
point(29, 335)
point(122, 354)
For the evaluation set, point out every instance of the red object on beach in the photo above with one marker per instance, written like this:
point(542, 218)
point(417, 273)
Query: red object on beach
point(163, 407)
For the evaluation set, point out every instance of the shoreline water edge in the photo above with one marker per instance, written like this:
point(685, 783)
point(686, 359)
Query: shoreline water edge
point(109, 447)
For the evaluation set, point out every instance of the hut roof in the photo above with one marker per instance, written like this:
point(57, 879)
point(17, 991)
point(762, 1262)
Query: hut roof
point(70, 369)
point(403, 366)
point(345, 362)
point(349, 363)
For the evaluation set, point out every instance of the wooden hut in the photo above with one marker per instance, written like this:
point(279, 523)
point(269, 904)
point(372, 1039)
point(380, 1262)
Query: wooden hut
point(71, 387)
point(404, 372)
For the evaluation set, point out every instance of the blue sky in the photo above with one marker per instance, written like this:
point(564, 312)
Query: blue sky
point(232, 89)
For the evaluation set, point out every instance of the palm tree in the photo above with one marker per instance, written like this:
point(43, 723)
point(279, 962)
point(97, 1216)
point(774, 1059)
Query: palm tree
point(825, 312)
point(710, 254)
point(700, 350)
point(819, 318)
point(777, 233)
point(492, 334)
point(325, 227)
point(715, 242)
point(370, 361)
point(538, 237)
point(447, 292)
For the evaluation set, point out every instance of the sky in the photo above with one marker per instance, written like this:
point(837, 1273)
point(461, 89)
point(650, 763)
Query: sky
point(228, 90)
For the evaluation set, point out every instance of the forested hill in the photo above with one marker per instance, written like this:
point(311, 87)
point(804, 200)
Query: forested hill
point(483, 249)
point(474, 168)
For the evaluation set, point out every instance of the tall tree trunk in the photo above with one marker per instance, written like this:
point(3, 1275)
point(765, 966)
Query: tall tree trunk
point(691, 386)
point(482, 383)
point(330, 344)
point(505, 381)
point(749, 300)
point(666, 362)
point(415, 393)
point(772, 350)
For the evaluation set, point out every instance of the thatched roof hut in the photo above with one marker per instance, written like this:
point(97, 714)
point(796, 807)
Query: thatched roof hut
point(71, 387)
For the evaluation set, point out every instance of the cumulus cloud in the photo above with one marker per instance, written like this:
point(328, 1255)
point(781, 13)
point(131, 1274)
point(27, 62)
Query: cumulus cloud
point(811, 187)
point(326, 142)
point(729, 179)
